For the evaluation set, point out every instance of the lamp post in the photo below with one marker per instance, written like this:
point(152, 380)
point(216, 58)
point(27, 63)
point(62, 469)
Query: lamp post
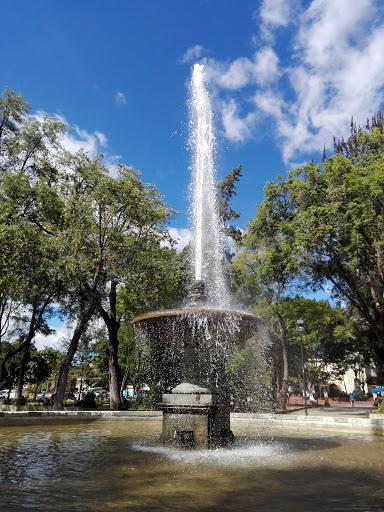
point(300, 328)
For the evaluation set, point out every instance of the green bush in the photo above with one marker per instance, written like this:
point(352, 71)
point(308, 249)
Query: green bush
point(358, 393)
point(89, 401)
point(20, 401)
point(144, 403)
point(100, 403)
point(69, 402)
point(380, 410)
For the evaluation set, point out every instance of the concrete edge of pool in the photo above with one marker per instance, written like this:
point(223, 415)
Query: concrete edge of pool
point(373, 424)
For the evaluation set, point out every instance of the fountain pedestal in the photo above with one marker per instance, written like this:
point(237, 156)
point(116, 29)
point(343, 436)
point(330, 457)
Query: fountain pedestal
point(195, 417)
point(197, 413)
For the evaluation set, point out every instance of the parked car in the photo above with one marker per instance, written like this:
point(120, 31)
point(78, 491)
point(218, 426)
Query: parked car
point(4, 393)
point(100, 393)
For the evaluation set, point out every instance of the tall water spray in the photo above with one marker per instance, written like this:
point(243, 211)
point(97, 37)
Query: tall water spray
point(207, 254)
point(196, 340)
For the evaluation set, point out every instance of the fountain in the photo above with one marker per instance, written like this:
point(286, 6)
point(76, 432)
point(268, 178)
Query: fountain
point(196, 412)
point(100, 463)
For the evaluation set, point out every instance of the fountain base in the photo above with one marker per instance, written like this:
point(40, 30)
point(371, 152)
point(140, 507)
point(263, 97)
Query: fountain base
point(197, 412)
point(195, 417)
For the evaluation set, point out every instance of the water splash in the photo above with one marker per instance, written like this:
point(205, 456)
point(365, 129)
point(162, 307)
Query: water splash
point(207, 254)
point(247, 453)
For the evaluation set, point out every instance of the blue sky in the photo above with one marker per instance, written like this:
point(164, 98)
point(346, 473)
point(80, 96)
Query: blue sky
point(284, 77)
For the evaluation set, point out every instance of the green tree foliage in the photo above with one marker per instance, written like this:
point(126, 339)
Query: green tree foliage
point(13, 109)
point(330, 219)
point(263, 276)
point(73, 235)
point(114, 236)
point(226, 189)
point(328, 340)
point(28, 209)
point(41, 366)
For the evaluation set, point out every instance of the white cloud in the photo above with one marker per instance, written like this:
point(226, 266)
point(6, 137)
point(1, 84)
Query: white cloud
point(53, 340)
point(266, 66)
point(101, 138)
point(76, 139)
point(182, 236)
point(274, 14)
point(236, 129)
point(261, 69)
point(120, 98)
point(330, 69)
point(234, 75)
point(192, 54)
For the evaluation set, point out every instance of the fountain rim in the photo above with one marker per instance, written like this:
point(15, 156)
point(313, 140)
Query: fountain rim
point(189, 311)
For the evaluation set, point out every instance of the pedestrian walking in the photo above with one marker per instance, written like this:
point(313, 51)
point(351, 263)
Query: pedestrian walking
point(352, 400)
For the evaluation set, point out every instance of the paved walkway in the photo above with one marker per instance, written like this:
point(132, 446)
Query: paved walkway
point(339, 409)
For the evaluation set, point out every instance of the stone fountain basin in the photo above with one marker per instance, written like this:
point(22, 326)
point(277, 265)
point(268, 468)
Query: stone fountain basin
point(196, 412)
point(199, 326)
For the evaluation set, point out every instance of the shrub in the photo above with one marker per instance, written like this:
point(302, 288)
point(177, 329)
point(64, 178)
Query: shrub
point(89, 401)
point(380, 410)
point(20, 401)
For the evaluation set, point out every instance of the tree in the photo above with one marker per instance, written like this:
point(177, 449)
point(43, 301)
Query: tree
point(89, 362)
point(28, 208)
point(132, 218)
point(265, 275)
point(72, 235)
point(226, 189)
point(80, 253)
point(332, 215)
point(113, 236)
point(41, 366)
point(328, 340)
point(13, 109)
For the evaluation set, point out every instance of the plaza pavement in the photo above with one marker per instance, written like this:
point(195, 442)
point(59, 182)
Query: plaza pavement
point(337, 409)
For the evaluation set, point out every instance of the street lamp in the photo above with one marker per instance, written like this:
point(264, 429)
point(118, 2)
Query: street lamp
point(300, 328)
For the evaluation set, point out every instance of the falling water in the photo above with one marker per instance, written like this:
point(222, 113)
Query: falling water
point(207, 255)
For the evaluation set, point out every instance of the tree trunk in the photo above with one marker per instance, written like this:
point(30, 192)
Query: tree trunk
point(282, 394)
point(84, 318)
point(113, 369)
point(113, 326)
point(23, 367)
point(36, 389)
point(35, 323)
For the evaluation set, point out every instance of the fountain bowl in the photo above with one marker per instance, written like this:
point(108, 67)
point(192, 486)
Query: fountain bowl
point(200, 325)
point(196, 412)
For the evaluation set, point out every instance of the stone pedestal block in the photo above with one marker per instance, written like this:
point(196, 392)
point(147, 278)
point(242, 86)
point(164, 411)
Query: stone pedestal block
point(195, 419)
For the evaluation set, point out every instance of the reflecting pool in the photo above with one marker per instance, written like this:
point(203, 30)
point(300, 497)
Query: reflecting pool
point(119, 465)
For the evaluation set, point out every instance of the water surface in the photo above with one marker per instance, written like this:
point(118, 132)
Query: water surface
point(118, 465)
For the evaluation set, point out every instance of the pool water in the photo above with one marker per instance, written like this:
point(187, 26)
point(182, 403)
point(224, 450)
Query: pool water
point(120, 466)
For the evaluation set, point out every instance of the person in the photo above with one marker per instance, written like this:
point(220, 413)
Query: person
point(352, 400)
point(125, 404)
point(376, 402)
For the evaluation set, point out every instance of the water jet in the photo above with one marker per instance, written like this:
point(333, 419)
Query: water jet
point(196, 412)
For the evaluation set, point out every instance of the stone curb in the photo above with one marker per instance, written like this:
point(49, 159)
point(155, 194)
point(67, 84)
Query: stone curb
point(372, 425)
point(14, 418)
